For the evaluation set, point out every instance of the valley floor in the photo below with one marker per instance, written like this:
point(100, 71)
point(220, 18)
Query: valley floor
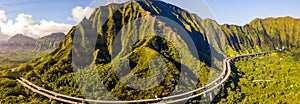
point(10, 59)
point(266, 79)
point(11, 91)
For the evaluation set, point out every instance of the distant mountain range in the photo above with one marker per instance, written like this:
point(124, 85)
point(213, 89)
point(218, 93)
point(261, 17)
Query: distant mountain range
point(20, 41)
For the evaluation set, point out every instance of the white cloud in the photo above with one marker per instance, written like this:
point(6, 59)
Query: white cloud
point(24, 20)
point(24, 24)
point(78, 13)
point(2, 17)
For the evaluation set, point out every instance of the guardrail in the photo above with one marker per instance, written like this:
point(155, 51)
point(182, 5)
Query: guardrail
point(208, 90)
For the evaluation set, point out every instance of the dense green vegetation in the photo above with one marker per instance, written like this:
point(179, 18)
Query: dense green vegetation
point(265, 79)
point(11, 91)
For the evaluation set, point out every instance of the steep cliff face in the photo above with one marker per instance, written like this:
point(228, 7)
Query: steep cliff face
point(266, 34)
point(48, 42)
point(108, 22)
point(283, 31)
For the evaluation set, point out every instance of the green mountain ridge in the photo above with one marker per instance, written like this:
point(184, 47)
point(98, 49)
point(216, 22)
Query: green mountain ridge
point(264, 34)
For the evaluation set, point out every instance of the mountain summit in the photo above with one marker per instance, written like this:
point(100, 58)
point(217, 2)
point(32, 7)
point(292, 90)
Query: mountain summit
point(19, 39)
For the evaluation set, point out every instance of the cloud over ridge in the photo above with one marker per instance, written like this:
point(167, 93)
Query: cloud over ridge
point(24, 24)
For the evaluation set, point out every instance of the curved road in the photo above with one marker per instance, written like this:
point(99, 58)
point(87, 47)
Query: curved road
point(207, 90)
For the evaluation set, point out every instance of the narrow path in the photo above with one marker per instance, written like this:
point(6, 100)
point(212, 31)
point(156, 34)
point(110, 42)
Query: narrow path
point(207, 90)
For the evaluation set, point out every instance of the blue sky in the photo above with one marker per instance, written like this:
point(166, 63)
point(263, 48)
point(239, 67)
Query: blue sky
point(56, 10)
point(225, 11)
point(243, 11)
point(38, 18)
